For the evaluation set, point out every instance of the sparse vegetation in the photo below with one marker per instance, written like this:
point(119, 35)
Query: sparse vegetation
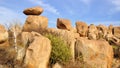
point(60, 51)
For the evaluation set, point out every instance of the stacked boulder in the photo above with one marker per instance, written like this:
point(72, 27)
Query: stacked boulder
point(39, 47)
point(34, 22)
point(92, 43)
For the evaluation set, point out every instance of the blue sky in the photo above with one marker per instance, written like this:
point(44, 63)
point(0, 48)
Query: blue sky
point(90, 11)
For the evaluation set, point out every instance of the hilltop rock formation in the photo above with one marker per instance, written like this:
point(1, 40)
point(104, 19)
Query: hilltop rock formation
point(82, 28)
point(33, 11)
point(28, 47)
point(64, 24)
point(33, 21)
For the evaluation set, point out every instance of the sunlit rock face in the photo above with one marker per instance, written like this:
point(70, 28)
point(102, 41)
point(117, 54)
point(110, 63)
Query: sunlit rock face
point(35, 23)
point(116, 32)
point(64, 24)
point(96, 53)
point(38, 52)
point(92, 32)
point(33, 11)
point(27, 46)
point(82, 28)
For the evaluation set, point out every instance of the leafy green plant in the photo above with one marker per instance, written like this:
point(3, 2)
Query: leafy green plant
point(60, 51)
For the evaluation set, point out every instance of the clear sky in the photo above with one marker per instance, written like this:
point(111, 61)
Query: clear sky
point(90, 11)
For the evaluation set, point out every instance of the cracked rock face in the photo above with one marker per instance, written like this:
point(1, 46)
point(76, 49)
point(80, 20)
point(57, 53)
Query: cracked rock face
point(38, 52)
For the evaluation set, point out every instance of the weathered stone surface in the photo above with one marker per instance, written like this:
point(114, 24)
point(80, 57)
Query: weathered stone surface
point(102, 31)
point(35, 23)
point(24, 40)
point(116, 32)
point(73, 30)
point(82, 28)
point(64, 24)
point(33, 11)
point(38, 52)
point(3, 34)
point(116, 63)
point(67, 36)
point(57, 65)
point(92, 32)
point(96, 53)
point(110, 29)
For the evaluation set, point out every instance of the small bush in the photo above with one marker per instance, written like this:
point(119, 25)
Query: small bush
point(60, 51)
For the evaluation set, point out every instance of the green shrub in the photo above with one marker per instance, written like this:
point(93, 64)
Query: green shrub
point(60, 51)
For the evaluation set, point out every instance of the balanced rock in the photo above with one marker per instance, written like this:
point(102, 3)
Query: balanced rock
point(95, 53)
point(82, 28)
point(64, 24)
point(33, 11)
point(3, 34)
point(35, 23)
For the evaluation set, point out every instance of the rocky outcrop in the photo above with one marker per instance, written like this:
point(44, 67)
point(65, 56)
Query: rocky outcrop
point(33, 11)
point(102, 31)
point(96, 53)
point(29, 48)
point(92, 32)
point(64, 24)
point(38, 52)
point(35, 23)
point(82, 28)
point(116, 32)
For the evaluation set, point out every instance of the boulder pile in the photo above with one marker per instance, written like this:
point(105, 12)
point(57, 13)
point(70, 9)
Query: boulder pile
point(34, 22)
point(28, 47)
